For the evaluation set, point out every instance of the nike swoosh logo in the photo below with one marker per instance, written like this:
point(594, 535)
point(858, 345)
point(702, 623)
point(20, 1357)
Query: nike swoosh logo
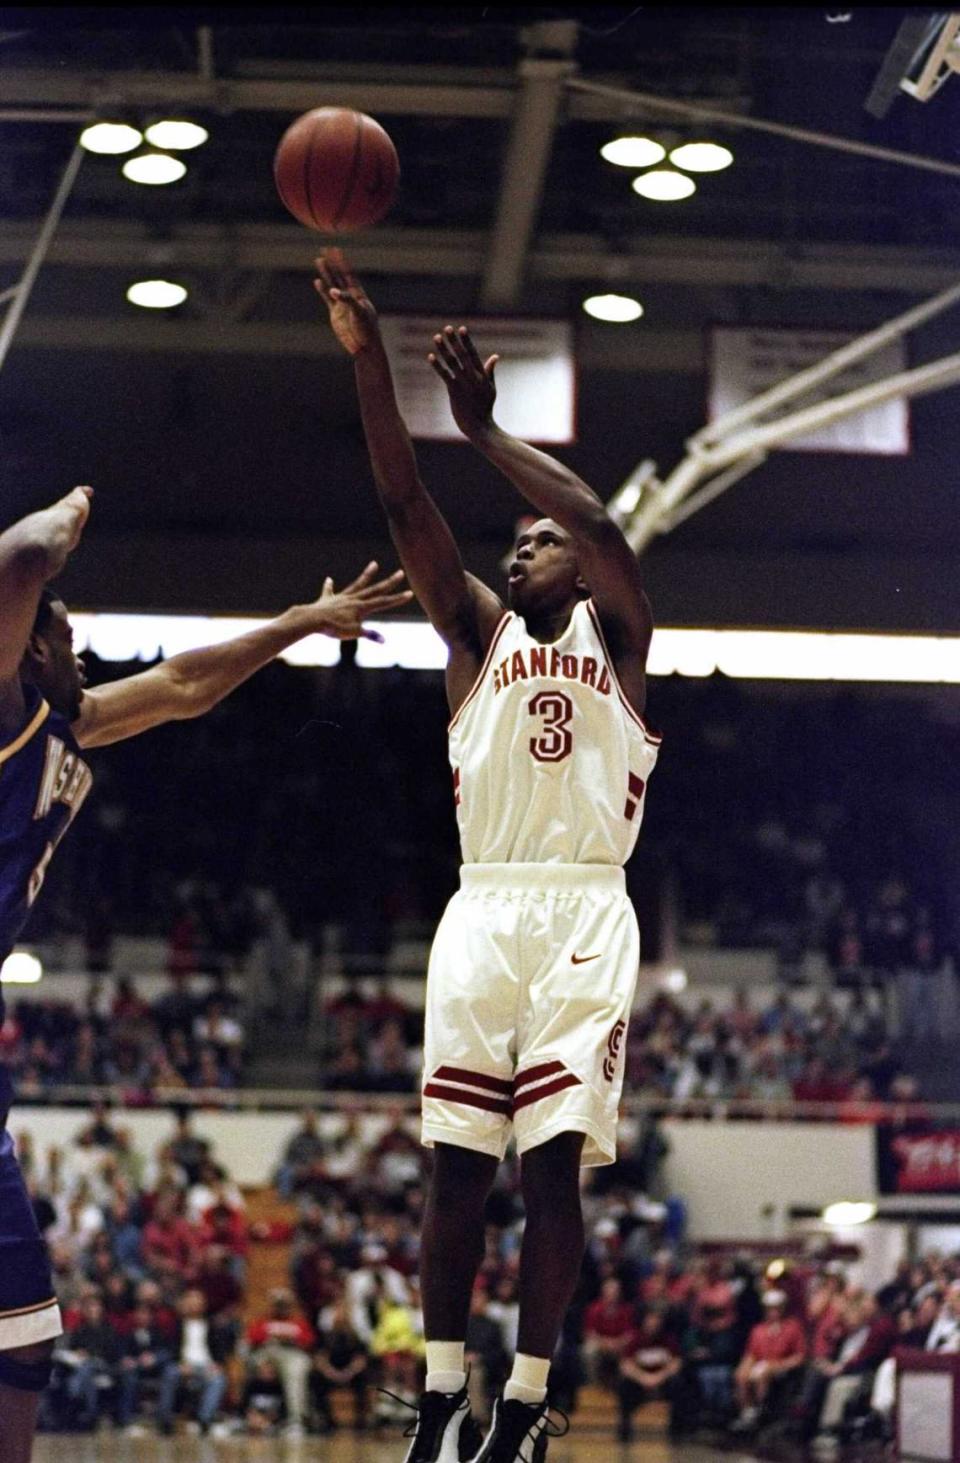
point(582, 959)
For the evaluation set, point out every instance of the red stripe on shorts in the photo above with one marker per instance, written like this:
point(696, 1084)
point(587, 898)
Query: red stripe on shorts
point(474, 1079)
point(547, 1090)
point(467, 1099)
point(546, 1069)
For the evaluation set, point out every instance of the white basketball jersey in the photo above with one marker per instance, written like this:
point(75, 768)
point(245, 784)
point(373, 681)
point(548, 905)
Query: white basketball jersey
point(550, 762)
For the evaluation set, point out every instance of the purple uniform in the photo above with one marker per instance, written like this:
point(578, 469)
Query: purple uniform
point(43, 782)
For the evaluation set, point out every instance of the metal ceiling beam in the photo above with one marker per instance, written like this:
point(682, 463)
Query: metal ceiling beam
point(339, 87)
point(677, 352)
point(664, 259)
point(538, 103)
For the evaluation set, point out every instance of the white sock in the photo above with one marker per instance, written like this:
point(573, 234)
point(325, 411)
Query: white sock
point(445, 1371)
point(528, 1380)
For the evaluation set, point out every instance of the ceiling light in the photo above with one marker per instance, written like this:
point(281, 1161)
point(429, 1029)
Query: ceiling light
point(844, 1214)
point(618, 309)
point(154, 167)
point(633, 152)
point(21, 968)
point(110, 137)
point(176, 134)
point(156, 294)
point(663, 185)
point(699, 157)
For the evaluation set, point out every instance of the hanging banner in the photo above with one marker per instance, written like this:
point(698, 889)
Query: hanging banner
point(536, 378)
point(746, 362)
point(918, 1163)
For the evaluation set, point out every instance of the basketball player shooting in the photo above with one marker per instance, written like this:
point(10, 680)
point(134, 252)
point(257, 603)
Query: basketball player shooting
point(46, 719)
point(533, 968)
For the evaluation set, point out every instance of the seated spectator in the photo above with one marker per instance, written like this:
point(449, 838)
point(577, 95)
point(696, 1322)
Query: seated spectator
point(287, 1340)
point(775, 1350)
point(99, 1132)
point(870, 1336)
point(200, 1351)
point(146, 1352)
point(609, 1325)
point(944, 1334)
point(649, 1367)
point(170, 1244)
point(398, 1344)
point(90, 1352)
point(372, 1278)
point(263, 1405)
point(341, 1360)
point(218, 1030)
point(187, 1148)
point(304, 1151)
point(217, 1279)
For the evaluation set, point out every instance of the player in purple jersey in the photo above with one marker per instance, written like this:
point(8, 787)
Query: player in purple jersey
point(47, 718)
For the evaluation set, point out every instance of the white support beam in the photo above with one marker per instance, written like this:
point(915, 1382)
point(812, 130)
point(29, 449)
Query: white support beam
point(521, 184)
point(462, 92)
point(666, 259)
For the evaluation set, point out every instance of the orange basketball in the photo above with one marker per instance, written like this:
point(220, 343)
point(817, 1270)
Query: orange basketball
point(336, 170)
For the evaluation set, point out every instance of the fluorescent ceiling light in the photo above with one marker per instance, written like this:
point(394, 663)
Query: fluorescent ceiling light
point(664, 185)
point(177, 135)
point(844, 1214)
point(154, 168)
point(618, 309)
point(156, 294)
point(21, 968)
point(110, 138)
point(700, 157)
point(633, 152)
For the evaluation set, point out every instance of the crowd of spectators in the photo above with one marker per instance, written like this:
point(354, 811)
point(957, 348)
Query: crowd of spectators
point(151, 1257)
point(828, 1051)
point(836, 1049)
point(180, 1040)
point(780, 816)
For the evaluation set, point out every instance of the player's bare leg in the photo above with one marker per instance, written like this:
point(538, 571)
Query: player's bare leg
point(451, 1249)
point(453, 1238)
point(550, 1260)
point(19, 1404)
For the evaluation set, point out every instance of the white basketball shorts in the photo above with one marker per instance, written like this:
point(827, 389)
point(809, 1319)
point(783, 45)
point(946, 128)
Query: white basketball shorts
point(529, 989)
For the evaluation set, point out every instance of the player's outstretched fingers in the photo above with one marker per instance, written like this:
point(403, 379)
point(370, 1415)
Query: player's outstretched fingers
point(364, 578)
point(445, 375)
point(385, 586)
point(366, 634)
point(473, 355)
point(447, 353)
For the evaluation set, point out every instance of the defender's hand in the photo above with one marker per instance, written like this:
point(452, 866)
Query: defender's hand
point(469, 381)
point(76, 505)
point(352, 314)
point(342, 615)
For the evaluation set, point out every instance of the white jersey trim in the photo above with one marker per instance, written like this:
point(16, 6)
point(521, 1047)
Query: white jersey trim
point(502, 623)
point(650, 736)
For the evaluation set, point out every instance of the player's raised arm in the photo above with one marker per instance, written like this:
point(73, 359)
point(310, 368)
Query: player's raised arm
point(192, 683)
point(463, 611)
point(32, 552)
point(607, 563)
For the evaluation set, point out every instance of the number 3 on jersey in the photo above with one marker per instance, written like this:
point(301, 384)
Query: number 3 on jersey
point(556, 739)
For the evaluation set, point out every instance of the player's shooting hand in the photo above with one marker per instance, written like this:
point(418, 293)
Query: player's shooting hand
point(469, 380)
point(352, 314)
point(342, 614)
